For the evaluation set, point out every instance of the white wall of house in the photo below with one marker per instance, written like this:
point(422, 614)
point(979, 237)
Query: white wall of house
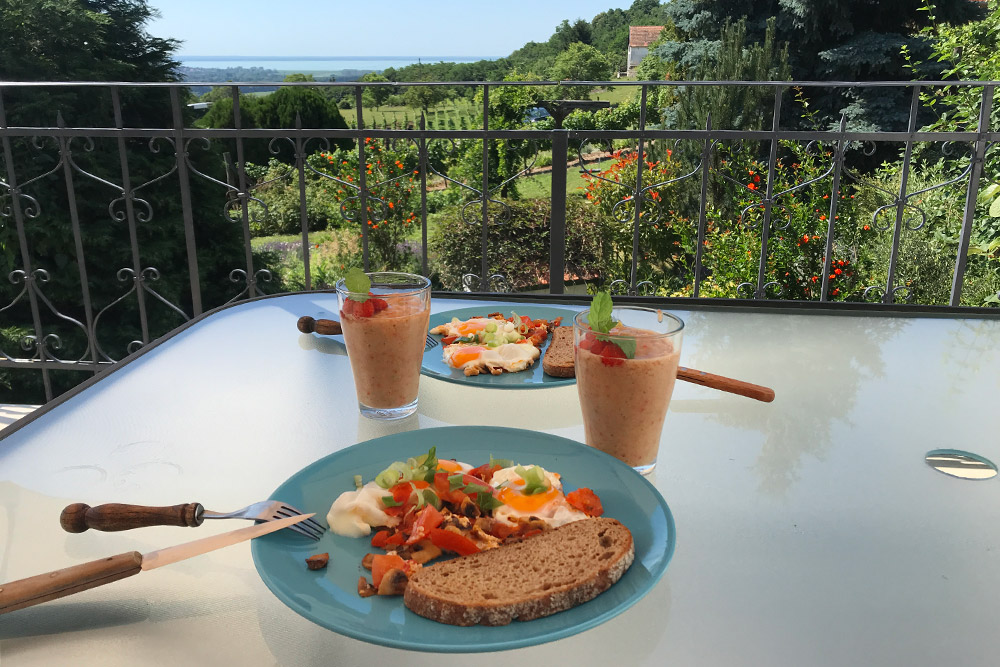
point(635, 56)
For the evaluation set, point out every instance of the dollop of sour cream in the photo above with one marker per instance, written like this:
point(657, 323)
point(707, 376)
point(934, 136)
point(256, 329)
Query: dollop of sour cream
point(354, 513)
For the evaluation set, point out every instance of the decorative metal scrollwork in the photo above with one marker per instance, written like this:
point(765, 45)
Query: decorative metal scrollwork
point(140, 282)
point(51, 341)
point(496, 282)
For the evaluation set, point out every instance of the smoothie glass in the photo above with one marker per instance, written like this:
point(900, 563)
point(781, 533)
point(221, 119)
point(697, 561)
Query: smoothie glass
point(624, 400)
point(385, 338)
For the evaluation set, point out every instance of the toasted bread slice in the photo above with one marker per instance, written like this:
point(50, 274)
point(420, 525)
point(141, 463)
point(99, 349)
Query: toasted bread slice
point(526, 580)
point(558, 359)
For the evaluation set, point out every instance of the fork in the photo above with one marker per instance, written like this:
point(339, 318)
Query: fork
point(78, 517)
point(307, 325)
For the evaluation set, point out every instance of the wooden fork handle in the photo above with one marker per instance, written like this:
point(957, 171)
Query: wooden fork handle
point(60, 583)
point(307, 324)
point(78, 517)
point(722, 383)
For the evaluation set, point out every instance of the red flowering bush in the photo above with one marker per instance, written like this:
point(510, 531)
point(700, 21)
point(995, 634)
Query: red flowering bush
point(666, 237)
point(392, 202)
point(795, 262)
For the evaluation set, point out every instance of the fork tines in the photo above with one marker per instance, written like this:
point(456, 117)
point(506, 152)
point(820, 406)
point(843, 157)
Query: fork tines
point(310, 527)
point(431, 342)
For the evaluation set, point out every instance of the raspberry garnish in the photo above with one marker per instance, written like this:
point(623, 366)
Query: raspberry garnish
point(611, 354)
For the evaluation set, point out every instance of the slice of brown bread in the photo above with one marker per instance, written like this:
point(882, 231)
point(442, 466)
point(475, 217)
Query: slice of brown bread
point(558, 359)
point(526, 580)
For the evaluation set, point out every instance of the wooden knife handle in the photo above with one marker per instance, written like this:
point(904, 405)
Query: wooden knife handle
point(60, 583)
point(325, 327)
point(78, 517)
point(755, 391)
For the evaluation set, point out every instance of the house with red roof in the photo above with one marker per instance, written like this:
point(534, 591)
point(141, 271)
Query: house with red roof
point(639, 39)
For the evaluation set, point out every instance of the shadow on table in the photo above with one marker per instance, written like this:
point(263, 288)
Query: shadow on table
point(52, 618)
point(323, 344)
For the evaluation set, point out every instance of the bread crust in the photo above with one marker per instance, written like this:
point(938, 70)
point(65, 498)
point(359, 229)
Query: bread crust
point(549, 576)
point(558, 359)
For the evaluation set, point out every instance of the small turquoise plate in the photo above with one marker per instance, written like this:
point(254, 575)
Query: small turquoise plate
point(330, 597)
point(531, 378)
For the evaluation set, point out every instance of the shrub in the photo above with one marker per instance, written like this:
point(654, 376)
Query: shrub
point(517, 243)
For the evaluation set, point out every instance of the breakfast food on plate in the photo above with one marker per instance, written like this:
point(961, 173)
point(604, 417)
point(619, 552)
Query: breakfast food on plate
point(568, 566)
point(493, 343)
point(558, 361)
point(426, 507)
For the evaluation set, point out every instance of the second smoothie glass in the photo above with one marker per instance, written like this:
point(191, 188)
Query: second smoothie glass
point(624, 400)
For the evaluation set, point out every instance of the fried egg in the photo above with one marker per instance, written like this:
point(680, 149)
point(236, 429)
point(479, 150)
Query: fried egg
point(549, 506)
point(475, 359)
point(468, 327)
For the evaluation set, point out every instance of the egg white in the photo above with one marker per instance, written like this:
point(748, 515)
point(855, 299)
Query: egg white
point(555, 513)
point(509, 357)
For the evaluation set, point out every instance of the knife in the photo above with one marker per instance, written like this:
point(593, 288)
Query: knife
point(60, 583)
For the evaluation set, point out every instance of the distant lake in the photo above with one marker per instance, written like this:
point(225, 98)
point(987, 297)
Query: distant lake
point(320, 64)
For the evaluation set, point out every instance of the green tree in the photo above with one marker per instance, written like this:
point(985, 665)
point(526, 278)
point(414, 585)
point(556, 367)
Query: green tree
point(423, 97)
point(280, 109)
point(743, 107)
point(102, 40)
point(375, 96)
point(834, 40)
point(579, 62)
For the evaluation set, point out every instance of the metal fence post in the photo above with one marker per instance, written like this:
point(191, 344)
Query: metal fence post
point(557, 214)
point(133, 231)
point(180, 150)
point(985, 109)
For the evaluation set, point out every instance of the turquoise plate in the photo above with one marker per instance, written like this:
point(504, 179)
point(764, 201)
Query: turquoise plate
point(330, 597)
point(532, 378)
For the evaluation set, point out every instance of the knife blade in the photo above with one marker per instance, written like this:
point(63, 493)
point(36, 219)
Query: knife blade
point(60, 583)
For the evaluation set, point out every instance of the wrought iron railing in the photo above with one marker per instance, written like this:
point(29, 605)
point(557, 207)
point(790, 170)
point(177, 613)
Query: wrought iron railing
point(53, 166)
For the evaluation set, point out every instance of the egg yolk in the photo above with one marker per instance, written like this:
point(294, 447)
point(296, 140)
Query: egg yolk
point(523, 503)
point(449, 466)
point(466, 328)
point(466, 355)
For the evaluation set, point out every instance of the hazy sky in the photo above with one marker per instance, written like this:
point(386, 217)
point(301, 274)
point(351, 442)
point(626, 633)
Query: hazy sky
point(365, 28)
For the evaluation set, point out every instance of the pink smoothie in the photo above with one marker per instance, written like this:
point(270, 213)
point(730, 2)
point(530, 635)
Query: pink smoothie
point(386, 351)
point(624, 404)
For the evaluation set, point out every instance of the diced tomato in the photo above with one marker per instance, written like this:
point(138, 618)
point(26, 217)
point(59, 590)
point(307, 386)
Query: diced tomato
point(500, 530)
point(448, 340)
point(379, 538)
point(394, 540)
point(586, 501)
point(396, 511)
point(525, 319)
point(484, 472)
point(402, 491)
point(387, 539)
point(382, 563)
point(443, 488)
point(428, 519)
point(449, 541)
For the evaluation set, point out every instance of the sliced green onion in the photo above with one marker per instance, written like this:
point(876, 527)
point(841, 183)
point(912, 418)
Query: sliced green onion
point(487, 502)
point(503, 463)
point(491, 327)
point(534, 480)
point(357, 482)
point(431, 498)
point(389, 501)
point(456, 481)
